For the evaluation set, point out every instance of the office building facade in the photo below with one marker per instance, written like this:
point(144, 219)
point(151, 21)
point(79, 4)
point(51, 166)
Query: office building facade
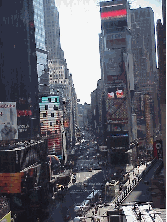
point(145, 99)
point(18, 69)
point(116, 58)
point(52, 30)
point(41, 53)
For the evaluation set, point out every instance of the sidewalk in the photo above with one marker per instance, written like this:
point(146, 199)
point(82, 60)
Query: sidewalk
point(134, 175)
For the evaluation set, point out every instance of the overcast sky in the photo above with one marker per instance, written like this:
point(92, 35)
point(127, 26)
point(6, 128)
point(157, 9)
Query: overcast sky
point(80, 26)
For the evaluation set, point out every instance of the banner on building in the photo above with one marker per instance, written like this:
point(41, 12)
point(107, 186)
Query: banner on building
point(8, 121)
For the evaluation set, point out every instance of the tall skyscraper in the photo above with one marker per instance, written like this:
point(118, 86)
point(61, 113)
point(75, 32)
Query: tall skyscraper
point(143, 48)
point(41, 53)
point(116, 73)
point(145, 73)
point(52, 30)
point(18, 69)
point(161, 46)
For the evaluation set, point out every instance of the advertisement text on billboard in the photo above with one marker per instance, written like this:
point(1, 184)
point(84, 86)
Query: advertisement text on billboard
point(116, 40)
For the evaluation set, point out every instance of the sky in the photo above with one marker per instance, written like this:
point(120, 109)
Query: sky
point(80, 26)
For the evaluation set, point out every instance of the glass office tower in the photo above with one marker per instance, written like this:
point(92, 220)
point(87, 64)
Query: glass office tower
point(41, 52)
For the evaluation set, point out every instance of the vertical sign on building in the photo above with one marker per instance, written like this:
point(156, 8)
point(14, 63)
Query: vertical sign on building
point(8, 121)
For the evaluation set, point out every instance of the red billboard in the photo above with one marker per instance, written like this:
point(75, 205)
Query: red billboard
point(114, 14)
point(113, 9)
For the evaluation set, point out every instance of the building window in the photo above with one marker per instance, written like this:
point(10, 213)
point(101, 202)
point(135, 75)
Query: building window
point(44, 114)
point(55, 131)
point(50, 123)
point(55, 107)
point(57, 122)
point(55, 100)
point(49, 99)
point(46, 107)
point(52, 114)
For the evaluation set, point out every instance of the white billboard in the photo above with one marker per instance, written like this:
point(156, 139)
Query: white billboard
point(8, 121)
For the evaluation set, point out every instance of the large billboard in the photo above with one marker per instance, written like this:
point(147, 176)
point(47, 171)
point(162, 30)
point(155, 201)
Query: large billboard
point(113, 62)
point(8, 121)
point(117, 111)
point(115, 40)
point(113, 10)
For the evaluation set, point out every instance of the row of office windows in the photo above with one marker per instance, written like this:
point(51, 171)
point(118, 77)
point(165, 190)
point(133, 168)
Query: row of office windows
point(52, 115)
point(54, 107)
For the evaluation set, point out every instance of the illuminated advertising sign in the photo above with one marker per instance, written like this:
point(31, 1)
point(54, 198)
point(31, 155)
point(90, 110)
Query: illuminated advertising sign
point(24, 113)
point(116, 40)
point(116, 110)
point(113, 9)
point(8, 121)
point(120, 93)
point(111, 95)
point(122, 13)
point(117, 92)
point(112, 62)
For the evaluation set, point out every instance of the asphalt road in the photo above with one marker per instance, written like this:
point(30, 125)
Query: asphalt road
point(75, 195)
